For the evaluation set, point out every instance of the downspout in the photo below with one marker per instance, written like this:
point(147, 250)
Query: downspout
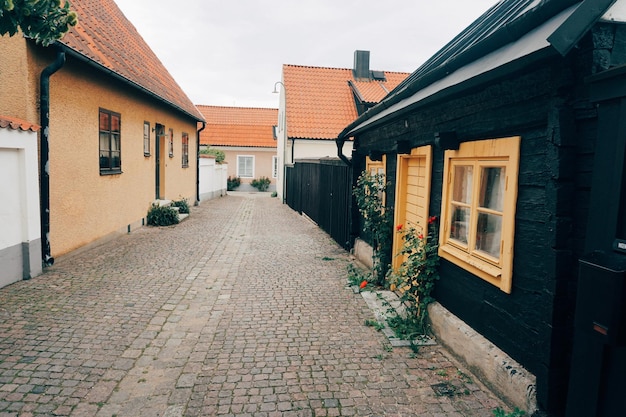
point(198, 163)
point(44, 155)
point(340, 141)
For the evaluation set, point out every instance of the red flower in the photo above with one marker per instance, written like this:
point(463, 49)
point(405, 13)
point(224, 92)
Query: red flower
point(420, 236)
point(399, 227)
point(432, 219)
point(363, 284)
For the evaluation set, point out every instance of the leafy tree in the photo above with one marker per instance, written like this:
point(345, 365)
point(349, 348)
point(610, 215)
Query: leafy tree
point(42, 20)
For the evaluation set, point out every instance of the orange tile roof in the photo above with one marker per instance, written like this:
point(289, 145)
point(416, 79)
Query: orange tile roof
point(104, 35)
point(238, 126)
point(17, 124)
point(320, 102)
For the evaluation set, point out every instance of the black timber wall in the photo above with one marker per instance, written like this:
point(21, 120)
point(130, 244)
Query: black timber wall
point(545, 104)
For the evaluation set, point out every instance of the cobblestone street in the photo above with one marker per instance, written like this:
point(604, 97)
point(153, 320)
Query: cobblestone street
point(240, 310)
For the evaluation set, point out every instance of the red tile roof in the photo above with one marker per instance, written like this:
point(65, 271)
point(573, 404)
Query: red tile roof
point(104, 35)
point(238, 126)
point(320, 102)
point(17, 124)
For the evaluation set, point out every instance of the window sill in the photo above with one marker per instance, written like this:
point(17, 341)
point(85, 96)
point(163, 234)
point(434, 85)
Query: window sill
point(104, 173)
point(478, 267)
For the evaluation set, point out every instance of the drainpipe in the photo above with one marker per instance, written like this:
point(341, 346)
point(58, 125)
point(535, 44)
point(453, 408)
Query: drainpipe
point(198, 163)
point(44, 155)
point(340, 141)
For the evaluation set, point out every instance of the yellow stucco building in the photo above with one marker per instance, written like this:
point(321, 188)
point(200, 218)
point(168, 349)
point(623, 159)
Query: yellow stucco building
point(120, 134)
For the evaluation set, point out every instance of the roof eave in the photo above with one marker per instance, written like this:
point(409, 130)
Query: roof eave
point(81, 57)
point(501, 37)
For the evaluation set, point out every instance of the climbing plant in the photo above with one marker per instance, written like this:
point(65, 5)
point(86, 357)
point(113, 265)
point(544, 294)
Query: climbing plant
point(377, 220)
point(415, 278)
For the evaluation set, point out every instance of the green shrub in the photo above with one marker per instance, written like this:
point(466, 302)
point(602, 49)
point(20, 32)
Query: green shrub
point(232, 183)
point(162, 216)
point(183, 206)
point(262, 184)
point(219, 155)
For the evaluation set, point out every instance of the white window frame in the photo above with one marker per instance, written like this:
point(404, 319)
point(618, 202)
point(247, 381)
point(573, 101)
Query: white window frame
point(275, 166)
point(239, 167)
point(502, 152)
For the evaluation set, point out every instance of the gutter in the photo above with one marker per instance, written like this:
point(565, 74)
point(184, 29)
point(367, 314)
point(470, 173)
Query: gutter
point(198, 162)
point(44, 154)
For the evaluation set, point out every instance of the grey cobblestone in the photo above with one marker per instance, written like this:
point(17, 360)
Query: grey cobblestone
point(241, 310)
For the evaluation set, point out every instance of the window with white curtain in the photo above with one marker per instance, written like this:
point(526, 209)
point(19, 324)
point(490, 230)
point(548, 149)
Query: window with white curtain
point(245, 166)
point(478, 208)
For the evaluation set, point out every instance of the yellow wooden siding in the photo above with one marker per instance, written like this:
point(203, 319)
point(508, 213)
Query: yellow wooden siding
point(412, 195)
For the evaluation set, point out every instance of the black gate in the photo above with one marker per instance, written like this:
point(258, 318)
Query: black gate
point(322, 190)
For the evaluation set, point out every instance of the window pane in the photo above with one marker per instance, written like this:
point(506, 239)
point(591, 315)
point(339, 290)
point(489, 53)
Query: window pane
point(115, 160)
point(492, 188)
point(146, 138)
point(115, 142)
point(245, 166)
point(462, 191)
point(104, 121)
point(459, 222)
point(104, 160)
point(115, 123)
point(104, 142)
point(488, 234)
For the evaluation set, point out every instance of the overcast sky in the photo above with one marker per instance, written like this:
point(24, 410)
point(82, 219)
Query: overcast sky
point(231, 52)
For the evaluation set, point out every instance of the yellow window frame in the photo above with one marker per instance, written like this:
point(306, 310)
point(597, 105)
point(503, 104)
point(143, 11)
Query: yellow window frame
point(503, 152)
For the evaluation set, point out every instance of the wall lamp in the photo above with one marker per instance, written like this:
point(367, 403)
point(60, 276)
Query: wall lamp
point(275, 84)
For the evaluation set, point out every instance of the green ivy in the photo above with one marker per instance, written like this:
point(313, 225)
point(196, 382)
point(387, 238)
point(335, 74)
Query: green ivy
point(377, 220)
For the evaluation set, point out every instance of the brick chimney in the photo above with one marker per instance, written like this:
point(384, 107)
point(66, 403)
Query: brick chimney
point(361, 65)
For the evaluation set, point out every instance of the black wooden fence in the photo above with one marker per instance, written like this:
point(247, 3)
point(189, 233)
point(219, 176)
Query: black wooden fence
point(322, 189)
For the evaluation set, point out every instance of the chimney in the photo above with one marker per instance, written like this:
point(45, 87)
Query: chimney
point(361, 65)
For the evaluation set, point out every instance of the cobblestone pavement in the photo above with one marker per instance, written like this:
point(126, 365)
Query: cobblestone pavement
point(240, 310)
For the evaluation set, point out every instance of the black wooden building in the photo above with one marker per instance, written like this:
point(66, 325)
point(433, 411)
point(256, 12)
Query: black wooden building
point(520, 124)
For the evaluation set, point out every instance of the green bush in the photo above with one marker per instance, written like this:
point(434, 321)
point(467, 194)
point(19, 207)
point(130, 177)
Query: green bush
point(232, 183)
point(219, 155)
point(183, 206)
point(162, 216)
point(262, 184)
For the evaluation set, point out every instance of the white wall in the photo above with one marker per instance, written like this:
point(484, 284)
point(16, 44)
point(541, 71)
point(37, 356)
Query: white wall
point(20, 231)
point(307, 149)
point(213, 178)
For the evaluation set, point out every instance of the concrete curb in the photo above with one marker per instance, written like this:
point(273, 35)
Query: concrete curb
point(504, 376)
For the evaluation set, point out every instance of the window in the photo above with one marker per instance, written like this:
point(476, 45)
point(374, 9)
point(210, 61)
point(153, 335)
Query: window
point(274, 166)
point(110, 153)
point(170, 146)
point(245, 166)
point(185, 150)
point(146, 138)
point(478, 208)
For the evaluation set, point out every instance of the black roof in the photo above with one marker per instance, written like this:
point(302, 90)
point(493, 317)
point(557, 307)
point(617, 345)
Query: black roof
point(504, 23)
